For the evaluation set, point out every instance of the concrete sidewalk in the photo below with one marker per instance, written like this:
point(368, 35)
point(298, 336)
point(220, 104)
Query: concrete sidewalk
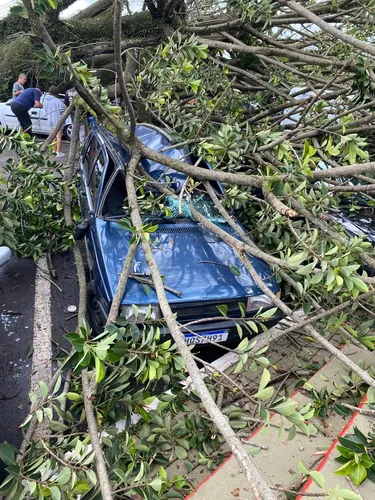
point(278, 463)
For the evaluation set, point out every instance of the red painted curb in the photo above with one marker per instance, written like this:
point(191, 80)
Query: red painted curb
point(332, 447)
point(190, 496)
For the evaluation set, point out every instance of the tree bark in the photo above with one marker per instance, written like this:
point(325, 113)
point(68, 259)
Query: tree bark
point(328, 28)
point(93, 10)
point(259, 488)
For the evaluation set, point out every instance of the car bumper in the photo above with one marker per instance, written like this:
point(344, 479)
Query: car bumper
point(230, 326)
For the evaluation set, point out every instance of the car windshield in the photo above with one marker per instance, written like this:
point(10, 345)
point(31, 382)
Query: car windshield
point(155, 207)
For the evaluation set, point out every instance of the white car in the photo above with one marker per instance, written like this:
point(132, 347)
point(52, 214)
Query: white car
point(5, 254)
point(38, 119)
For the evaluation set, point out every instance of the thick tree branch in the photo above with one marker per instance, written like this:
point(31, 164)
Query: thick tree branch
point(328, 28)
point(345, 171)
point(118, 63)
point(257, 485)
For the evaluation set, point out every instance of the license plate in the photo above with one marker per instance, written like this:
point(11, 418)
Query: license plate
point(205, 337)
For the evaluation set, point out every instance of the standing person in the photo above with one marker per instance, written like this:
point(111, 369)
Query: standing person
point(18, 85)
point(68, 99)
point(54, 108)
point(21, 105)
point(69, 96)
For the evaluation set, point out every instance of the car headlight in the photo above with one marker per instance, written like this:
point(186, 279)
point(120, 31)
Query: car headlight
point(258, 301)
point(137, 314)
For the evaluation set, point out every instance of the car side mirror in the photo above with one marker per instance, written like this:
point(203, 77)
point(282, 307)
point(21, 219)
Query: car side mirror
point(81, 230)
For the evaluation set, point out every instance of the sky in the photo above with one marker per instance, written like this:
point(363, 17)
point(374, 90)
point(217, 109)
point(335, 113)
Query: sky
point(70, 11)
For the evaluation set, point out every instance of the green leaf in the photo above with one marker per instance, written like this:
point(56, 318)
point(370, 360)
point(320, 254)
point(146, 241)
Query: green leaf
point(269, 313)
point(359, 284)
point(80, 487)
point(32, 486)
point(101, 351)
point(292, 433)
point(318, 478)
point(91, 477)
point(296, 418)
point(253, 326)
point(85, 360)
point(7, 454)
point(121, 474)
point(58, 426)
point(302, 469)
point(243, 344)
point(265, 378)
point(345, 452)
point(264, 394)
point(305, 270)
point(239, 331)
point(73, 396)
point(64, 476)
point(371, 396)
point(43, 389)
point(156, 484)
point(223, 309)
point(358, 474)
point(345, 469)
point(238, 424)
point(99, 370)
point(349, 495)
point(234, 270)
point(285, 408)
point(151, 372)
point(352, 443)
point(180, 452)
point(55, 493)
point(57, 385)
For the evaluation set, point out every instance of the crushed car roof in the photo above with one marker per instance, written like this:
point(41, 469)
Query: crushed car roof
point(158, 140)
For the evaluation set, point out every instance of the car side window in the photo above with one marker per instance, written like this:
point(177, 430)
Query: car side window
point(96, 173)
point(115, 196)
point(91, 154)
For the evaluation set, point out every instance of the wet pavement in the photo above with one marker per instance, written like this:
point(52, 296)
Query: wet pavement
point(17, 284)
point(17, 279)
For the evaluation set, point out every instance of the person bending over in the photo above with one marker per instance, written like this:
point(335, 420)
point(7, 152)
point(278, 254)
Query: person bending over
point(21, 105)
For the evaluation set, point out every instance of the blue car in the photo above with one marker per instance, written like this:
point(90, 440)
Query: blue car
point(201, 272)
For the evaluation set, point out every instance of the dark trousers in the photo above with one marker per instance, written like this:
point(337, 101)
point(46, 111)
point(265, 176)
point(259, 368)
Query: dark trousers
point(23, 116)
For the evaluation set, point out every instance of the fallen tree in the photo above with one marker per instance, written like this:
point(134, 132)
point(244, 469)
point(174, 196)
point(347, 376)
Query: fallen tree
point(265, 117)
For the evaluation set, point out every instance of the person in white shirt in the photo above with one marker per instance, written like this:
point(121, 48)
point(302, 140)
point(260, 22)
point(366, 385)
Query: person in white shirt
point(54, 108)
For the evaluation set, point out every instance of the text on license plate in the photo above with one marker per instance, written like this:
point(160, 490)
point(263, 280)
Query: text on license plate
point(205, 337)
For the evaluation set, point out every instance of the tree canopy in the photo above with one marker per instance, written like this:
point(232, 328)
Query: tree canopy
point(278, 97)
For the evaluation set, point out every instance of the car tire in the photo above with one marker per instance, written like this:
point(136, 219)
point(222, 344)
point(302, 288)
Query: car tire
point(94, 310)
point(67, 131)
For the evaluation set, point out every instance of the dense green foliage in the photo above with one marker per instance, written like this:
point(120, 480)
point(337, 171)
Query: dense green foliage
point(32, 194)
point(225, 83)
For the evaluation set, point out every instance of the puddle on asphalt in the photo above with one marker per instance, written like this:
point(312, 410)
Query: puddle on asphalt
point(16, 370)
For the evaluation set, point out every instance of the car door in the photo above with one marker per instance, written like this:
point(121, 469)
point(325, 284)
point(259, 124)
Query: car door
point(39, 119)
point(93, 164)
point(11, 120)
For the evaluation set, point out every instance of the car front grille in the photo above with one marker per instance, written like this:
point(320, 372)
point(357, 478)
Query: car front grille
point(200, 310)
point(178, 230)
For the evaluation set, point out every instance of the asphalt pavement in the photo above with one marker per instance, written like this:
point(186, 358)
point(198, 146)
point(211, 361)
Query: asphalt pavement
point(31, 301)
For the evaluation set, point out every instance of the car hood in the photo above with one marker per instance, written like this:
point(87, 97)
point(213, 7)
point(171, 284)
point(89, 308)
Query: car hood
point(193, 261)
point(358, 223)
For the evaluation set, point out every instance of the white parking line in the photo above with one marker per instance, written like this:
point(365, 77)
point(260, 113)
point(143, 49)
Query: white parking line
point(42, 340)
